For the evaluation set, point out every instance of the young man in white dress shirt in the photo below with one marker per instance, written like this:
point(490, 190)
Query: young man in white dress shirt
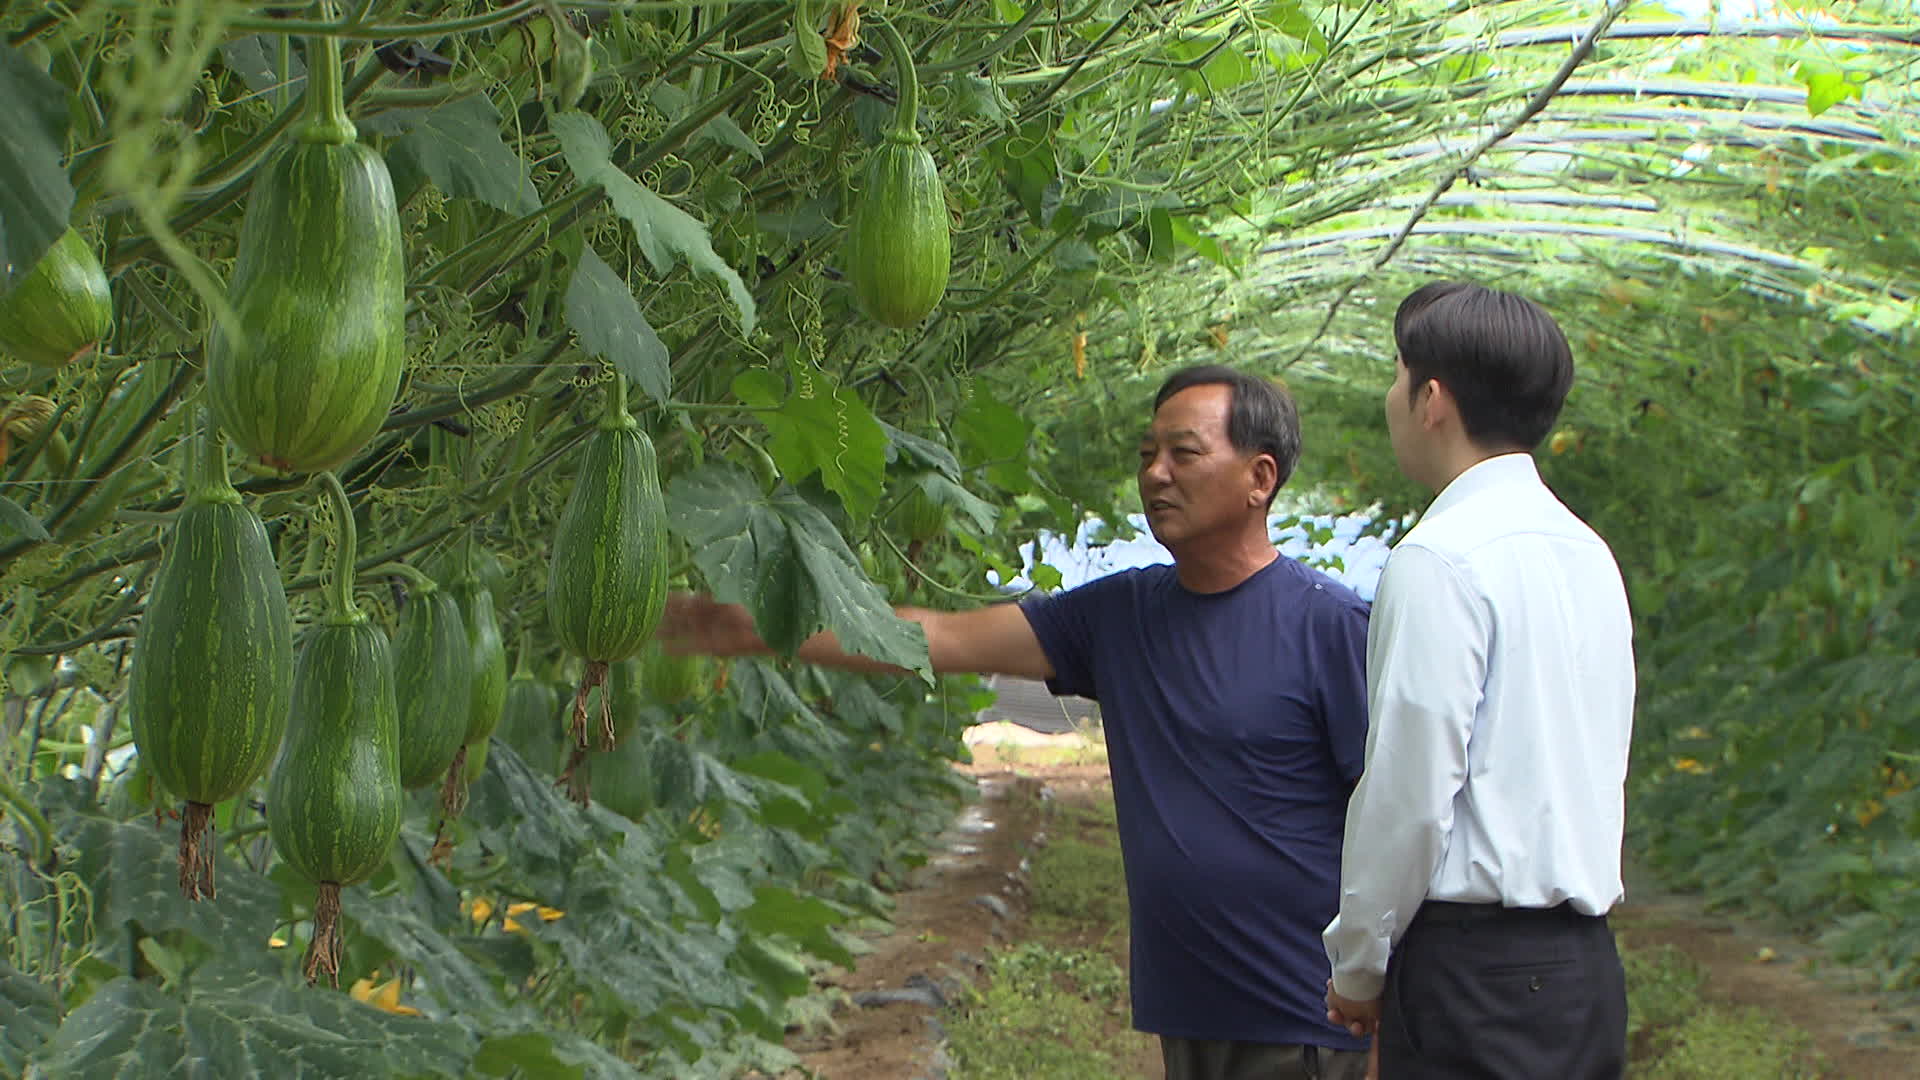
point(1483, 840)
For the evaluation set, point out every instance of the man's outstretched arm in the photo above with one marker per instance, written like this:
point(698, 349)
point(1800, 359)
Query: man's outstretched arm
point(993, 640)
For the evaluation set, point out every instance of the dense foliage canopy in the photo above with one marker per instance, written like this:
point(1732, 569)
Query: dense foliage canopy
point(1717, 205)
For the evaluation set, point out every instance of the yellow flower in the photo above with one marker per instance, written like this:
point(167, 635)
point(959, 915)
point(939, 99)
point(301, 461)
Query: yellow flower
point(1689, 765)
point(480, 908)
point(548, 914)
point(385, 997)
point(276, 942)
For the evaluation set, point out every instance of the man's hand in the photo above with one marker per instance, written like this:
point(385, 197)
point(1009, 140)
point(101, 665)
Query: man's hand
point(1358, 1017)
point(700, 625)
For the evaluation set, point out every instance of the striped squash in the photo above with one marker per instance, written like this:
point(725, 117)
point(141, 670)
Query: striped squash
point(431, 647)
point(899, 250)
point(212, 658)
point(532, 724)
point(607, 582)
point(318, 293)
point(334, 799)
point(334, 802)
point(61, 309)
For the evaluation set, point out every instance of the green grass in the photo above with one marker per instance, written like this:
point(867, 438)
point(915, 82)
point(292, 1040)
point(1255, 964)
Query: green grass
point(1050, 1009)
point(1078, 882)
point(1043, 1014)
point(1676, 1035)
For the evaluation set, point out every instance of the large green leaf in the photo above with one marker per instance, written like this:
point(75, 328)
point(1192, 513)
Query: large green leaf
point(665, 231)
point(805, 919)
point(133, 872)
point(602, 311)
point(221, 1026)
point(819, 427)
point(31, 1017)
point(786, 562)
point(35, 197)
point(458, 147)
point(995, 437)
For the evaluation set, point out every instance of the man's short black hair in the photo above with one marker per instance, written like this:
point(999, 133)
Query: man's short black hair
point(1261, 415)
point(1501, 356)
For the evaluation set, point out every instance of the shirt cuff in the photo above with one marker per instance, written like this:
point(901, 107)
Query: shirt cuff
point(1358, 985)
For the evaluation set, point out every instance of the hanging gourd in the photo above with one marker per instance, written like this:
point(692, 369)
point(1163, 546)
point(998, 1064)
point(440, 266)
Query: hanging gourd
point(435, 659)
point(531, 722)
point(334, 800)
point(898, 250)
point(212, 657)
point(486, 694)
point(61, 309)
point(607, 583)
point(309, 369)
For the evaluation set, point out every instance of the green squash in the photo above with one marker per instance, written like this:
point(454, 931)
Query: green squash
point(899, 246)
point(432, 652)
point(61, 309)
point(531, 721)
point(334, 799)
point(318, 294)
point(607, 582)
point(212, 658)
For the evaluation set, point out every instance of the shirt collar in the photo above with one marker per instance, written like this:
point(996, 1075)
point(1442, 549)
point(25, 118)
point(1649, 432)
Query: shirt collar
point(1501, 470)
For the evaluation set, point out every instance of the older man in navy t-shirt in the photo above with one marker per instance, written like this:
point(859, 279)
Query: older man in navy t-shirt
point(1235, 726)
point(1233, 688)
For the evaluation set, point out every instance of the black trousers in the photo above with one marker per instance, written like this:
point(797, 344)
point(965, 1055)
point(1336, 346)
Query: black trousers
point(1481, 992)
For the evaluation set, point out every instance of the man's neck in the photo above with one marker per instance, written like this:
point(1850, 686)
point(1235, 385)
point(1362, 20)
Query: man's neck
point(1218, 567)
point(1458, 459)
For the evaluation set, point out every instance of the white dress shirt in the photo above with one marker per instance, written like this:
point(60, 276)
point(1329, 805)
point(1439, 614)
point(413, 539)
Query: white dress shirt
point(1500, 690)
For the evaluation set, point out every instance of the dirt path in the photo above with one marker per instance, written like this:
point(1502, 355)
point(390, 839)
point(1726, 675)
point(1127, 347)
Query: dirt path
point(1862, 1033)
point(970, 896)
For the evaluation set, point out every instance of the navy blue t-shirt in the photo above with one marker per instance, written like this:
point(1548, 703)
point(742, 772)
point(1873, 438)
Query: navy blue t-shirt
point(1236, 726)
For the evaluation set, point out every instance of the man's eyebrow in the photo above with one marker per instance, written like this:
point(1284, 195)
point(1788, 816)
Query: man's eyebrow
point(1177, 433)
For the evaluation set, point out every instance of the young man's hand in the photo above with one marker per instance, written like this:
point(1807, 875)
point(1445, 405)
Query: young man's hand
point(1358, 1017)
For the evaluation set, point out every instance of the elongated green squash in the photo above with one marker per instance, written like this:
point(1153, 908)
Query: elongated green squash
point(486, 693)
point(61, 309)
point(318, 293)
point(899, 249)
point(212, 658)
point(334, 799)
point(333, 804)
point(533, 724)
point(435, 657)
point(607, 582)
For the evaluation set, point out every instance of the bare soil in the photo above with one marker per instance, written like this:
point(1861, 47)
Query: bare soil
point(1860, 1032)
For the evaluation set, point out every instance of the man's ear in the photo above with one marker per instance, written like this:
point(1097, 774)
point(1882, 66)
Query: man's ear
point(1438, 405)
point(1266, 474)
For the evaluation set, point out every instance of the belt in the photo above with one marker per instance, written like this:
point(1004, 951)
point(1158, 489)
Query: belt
point(1456, 913)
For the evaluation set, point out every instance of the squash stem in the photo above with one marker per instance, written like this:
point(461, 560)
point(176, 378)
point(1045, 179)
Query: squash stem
point(207, 478)
point(906, 114)
point(616, 415)
point(340, 605)
point(326, 120)
point(415, 576)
